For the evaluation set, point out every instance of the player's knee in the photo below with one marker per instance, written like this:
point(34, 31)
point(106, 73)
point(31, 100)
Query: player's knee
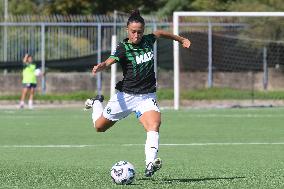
point(99, 129)
point(101, 125)
point(153, 126)
point(156, 124)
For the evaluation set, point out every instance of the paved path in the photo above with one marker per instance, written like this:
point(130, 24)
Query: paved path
point(4, 104)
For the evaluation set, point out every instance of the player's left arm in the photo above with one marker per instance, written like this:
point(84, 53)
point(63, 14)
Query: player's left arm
point(164, 34)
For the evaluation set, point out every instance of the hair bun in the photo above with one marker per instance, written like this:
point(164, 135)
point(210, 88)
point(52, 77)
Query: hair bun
point(135, 12)
point(135, 17)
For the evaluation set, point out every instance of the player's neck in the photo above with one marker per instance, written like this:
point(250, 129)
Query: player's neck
point(128, 41)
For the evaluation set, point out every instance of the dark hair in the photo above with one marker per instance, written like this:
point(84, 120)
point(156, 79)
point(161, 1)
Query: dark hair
point(135, 17)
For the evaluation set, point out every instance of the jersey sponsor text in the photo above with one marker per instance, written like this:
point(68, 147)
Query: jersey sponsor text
point(144, 57)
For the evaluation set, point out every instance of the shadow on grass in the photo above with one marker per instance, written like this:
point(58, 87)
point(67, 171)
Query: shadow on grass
point(188, 180)
point(200, 179)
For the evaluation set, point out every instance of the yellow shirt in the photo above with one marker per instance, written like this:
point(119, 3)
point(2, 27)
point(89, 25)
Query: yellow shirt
point(29, 73)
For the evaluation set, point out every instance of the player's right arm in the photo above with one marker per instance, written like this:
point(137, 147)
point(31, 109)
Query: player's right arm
point(114, 57)
point(102, 66)
point(25, 59)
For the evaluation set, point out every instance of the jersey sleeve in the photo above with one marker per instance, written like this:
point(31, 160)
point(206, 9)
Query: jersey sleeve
point(119, 52)
point(151, 38)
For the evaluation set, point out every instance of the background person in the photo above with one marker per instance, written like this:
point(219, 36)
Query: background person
point(29, 81)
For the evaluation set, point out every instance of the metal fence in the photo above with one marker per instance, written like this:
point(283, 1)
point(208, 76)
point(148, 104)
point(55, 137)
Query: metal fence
point(61, 37)
point(220, 43)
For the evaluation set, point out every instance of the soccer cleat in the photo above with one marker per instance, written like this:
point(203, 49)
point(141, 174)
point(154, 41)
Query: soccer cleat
point(152, 167)
point(90, 101)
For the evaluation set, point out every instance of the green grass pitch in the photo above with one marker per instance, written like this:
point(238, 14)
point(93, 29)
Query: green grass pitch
point(200, 148)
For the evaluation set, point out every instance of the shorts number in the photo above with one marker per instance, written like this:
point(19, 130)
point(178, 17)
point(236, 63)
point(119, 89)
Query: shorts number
point(155, 102)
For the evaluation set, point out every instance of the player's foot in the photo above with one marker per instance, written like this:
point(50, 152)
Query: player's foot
point(152, 167)
point(31, 106)
point(90, 101)
point(21, 105)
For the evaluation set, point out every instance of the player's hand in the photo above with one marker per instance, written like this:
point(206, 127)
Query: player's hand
point(185, 43)
point(99, 67)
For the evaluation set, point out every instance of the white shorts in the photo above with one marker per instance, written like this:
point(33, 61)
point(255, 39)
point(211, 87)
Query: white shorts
point(122, 104)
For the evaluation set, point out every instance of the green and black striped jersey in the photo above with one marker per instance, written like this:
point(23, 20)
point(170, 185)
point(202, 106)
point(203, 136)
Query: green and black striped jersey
point(137, 62)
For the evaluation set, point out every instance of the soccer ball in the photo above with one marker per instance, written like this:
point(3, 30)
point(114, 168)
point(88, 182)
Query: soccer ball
point(122, 172)
point(37, 72)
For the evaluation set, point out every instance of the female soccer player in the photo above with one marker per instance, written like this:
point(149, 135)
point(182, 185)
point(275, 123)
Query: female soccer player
point(136, 91)
point(29, 80)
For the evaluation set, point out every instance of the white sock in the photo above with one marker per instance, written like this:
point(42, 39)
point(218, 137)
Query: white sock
point(97, 110)
point(30, 104)
point(151, 146)
point(22, 103)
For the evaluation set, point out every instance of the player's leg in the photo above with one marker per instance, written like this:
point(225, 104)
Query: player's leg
point(23, 96)
point(151, 120)
point(32, 92)
point(101, 124)
point(102, 118)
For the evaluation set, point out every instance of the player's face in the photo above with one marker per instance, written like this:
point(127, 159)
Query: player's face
point(135, 32)
point(30, 59)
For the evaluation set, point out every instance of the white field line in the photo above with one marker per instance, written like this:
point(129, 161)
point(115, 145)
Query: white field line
point(100, 145)
point(237, 115)
point(215, 144)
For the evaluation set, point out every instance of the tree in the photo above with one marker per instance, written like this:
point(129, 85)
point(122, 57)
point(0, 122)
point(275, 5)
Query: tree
point(157, 7)
point(262, 28)
point(65, 7)
point(27, 7)
point(99, 7)
point(259, 5)
point(192, 5)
